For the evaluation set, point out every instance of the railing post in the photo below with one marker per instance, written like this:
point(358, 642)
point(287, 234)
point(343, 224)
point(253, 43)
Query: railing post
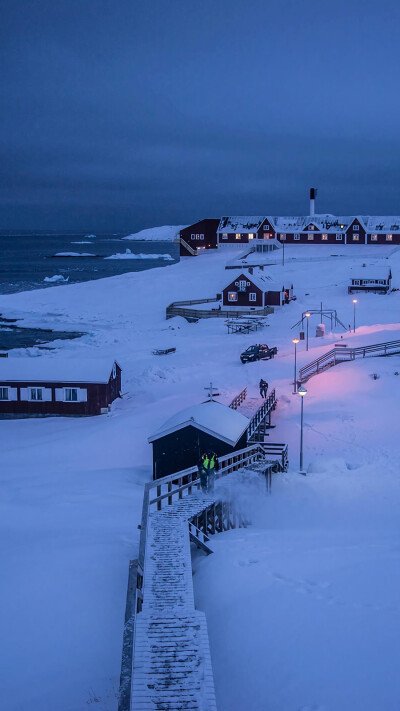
point(159, 494)
point(169, 489)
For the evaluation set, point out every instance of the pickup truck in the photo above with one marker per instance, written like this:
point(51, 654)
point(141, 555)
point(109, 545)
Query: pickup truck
point(259, 352)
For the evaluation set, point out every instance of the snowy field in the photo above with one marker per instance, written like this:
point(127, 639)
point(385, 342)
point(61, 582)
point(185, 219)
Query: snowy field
point(303, 609)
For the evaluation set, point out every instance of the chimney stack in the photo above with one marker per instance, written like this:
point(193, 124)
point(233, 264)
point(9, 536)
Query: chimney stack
point(313, 195)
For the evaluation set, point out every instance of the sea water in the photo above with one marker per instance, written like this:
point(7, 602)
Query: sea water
point(26, 260)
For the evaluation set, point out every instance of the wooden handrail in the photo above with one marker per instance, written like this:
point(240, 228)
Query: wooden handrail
point(339, 354)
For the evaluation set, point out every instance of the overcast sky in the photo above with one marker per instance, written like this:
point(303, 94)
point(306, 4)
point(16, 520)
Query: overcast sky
point(119, 114)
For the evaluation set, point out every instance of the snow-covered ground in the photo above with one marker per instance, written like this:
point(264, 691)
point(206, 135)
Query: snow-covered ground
point(302, 610)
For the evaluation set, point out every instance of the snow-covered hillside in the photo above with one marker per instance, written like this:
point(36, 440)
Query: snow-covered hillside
point(165, 233)
point(303, 607)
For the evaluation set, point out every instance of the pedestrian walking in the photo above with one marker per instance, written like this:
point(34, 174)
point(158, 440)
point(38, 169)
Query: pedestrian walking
point(261, 386)
point(265, 389)
point(207, 466)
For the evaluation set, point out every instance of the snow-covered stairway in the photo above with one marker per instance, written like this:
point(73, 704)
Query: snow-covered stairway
point(167, 666)
point(171, 661)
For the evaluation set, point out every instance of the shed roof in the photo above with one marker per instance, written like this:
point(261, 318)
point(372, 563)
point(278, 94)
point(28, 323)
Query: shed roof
point(245, 224)
point(371, 271)
point(212, 417)
point(58, 370)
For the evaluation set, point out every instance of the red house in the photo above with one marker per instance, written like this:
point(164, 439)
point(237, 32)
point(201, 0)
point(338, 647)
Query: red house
point(54, 386)
point(199, 235)
point(255, 290)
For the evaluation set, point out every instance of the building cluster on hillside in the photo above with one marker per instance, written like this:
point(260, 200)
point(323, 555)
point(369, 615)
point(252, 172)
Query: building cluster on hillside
point(314, 228)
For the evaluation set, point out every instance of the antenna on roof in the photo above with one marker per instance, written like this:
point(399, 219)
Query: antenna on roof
point(313, 195)
point(210, 392)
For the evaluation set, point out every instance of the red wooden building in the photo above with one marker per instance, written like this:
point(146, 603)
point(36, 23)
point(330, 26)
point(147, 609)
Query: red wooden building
point(255, 290)
point(54, 386)
point(199, 235)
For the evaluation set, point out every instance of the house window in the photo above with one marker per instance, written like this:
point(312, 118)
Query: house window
point(310, 237)
point(201, 236)
point(374, 238)
point(242, 285)
point(252, 296)
point(232, 296)
point(71, 394)
point(192, 236)
point(35, 393)
point(224, 235)
point(356, 238)
point(356, 282)
point(283, 236)
point(356, 227)
point(3, 393)
point(114, 371)
point(251, 236)
point(389, 238)
point(311, 227)
point(266, 227)
point(238, 235)
point(324, 237)
point(197, 236)
point(338, 238)
point(297, 236)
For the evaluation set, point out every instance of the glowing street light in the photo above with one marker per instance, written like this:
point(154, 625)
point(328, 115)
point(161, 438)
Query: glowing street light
point(307, 314)
point(295, 341)
point(301, 391)
point(354, 315)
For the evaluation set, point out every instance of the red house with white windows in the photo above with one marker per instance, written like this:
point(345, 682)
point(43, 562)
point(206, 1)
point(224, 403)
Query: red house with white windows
point(58, 386)
point(255, 290)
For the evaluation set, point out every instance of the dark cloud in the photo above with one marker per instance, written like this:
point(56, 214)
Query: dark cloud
point(117, 115)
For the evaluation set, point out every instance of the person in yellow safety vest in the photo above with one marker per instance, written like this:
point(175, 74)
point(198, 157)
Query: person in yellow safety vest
point(208, 465)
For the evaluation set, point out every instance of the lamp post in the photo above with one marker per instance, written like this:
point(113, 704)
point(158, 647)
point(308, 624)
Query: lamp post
point(295, 341)
point(302, 391)
point(354, 315)
point(308, 316)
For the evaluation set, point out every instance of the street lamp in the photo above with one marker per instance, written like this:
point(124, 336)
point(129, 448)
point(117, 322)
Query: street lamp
point(354, 315)
point(295, 341)
point(308, 316)
point(302, 391)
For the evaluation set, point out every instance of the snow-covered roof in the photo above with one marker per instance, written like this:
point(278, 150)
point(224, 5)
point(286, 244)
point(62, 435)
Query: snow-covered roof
point(260, 279)
point(211, 417)
point(242, 224)
point(323, 223)
point(370, 271)
point(58, 370)
point(383, 224)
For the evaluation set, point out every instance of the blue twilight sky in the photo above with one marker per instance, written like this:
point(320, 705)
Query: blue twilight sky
point(118, 114)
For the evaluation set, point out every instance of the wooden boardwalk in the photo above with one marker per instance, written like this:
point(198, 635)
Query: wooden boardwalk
point(166, 664)
point(171, 661)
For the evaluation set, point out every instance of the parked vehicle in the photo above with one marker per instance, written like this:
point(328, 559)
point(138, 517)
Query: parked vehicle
point(258, 352)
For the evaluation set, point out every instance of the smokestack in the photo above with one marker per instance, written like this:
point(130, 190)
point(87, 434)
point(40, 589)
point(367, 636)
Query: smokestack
point(313, 195)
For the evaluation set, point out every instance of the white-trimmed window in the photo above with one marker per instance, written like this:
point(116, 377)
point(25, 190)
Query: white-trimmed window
point(297, 237)
point(339, 237)
point(71, 394)
point(310, 237)
point(114, 371)
point(197, 236)
point(324, 237)
point(356, 238)
point(252, 296)
point(232, 296)
point(389, 238)
point(356, 227)
point(4, 394)
point(224, 235)
point(283, 236)
point(266, 227)
point(311, 227)
point(36, 394)
point(356, 282)
point(242, 285)
point(201, 236)
point(238, 235)
point(251, 235)
point(374, 238)
point(192, 236)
